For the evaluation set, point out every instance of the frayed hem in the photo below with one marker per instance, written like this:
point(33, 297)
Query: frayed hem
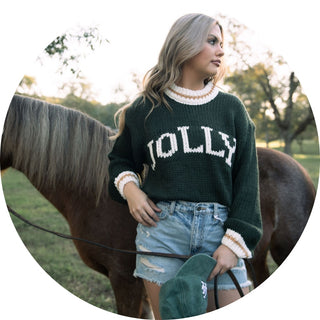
point(228, 287)
point(158, 283)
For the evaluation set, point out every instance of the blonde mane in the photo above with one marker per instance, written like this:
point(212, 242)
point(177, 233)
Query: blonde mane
point(53, 146)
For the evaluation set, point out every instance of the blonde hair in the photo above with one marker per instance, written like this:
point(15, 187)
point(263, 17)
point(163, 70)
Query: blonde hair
point(185, 40)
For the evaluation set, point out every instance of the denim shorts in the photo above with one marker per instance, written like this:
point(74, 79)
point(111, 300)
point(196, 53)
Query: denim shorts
point(185, 228)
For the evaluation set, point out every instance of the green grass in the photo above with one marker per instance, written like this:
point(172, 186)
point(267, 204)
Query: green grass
point(309, 147)
point(309, 159)
point(59, 258)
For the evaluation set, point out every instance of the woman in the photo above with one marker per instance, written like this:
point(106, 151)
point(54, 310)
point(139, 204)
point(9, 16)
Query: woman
point(201, 192)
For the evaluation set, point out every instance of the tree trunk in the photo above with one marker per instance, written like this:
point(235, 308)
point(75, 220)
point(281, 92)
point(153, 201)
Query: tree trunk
point(287, 143)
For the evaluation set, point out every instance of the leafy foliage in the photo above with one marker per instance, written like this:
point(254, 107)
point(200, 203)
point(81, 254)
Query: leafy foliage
point(104, 113)
point(63, 47)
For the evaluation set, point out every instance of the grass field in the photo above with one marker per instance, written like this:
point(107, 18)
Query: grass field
point(309, 159)
point(59, 258)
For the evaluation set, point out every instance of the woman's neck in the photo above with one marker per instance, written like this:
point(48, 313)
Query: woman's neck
point(191, 83)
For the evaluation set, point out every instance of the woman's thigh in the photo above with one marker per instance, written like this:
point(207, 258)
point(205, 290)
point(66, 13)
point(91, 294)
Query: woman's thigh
point(225, 297)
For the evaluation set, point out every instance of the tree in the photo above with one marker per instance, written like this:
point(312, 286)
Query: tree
point(269, 89)
point(103, 113)
point(290, 127)
point(290, 107)
point(63, 47)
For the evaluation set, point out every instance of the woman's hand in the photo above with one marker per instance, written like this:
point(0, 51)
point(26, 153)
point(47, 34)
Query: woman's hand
point(141, 207)
point(226, 260)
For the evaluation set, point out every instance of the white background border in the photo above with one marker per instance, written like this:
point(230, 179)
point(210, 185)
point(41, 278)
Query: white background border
point(26, 27)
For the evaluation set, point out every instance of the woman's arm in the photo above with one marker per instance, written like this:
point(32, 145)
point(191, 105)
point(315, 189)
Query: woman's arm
point(126, 159)
point(141, 207)
point(226, 260)
point(243, 226)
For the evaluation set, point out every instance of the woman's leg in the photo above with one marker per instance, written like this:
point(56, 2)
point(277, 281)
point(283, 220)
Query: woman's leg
point(225, 297)
point(153, 291)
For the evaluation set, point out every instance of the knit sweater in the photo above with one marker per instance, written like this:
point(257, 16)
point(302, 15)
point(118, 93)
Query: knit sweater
point(203, 150)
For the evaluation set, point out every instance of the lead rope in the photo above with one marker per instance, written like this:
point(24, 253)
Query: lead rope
point(148, 253)
point(236, 283)
point(66, 236)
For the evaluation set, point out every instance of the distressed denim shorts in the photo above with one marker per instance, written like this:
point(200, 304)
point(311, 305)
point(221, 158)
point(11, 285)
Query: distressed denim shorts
point(185, 228)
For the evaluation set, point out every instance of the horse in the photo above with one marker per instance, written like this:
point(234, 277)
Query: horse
point(63, 153)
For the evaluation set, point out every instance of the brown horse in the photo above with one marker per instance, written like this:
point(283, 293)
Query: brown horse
point(64, 154)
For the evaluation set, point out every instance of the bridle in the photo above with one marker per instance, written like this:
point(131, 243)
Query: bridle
point(135, 252)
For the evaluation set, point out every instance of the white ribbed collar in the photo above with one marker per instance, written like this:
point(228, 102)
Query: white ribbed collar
point(192, 97)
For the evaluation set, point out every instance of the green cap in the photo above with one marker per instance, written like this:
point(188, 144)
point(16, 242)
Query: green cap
point(186, 294)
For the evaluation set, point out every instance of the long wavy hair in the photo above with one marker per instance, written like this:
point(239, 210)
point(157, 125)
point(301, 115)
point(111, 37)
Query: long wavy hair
point(185, 40)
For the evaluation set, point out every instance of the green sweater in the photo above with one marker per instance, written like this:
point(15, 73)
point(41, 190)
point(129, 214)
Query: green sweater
point(201, 151)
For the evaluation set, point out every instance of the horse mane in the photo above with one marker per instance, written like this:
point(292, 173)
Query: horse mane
point(54, 145)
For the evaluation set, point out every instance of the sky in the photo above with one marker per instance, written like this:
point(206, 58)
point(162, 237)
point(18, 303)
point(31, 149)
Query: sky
point(130, 48)
point(135, 38)
point(137, 30)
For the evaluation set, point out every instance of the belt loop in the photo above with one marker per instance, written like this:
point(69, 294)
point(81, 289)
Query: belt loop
point(172, 207)
point(215, 208)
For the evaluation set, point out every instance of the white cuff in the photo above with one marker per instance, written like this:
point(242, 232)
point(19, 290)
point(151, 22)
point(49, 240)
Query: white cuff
point(123, 178)
point(235, 242)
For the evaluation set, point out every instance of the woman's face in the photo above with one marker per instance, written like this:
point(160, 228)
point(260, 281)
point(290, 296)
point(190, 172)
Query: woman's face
point(206, 63)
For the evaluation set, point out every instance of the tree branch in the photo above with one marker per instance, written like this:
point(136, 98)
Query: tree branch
point(304, 123)
point(293, 85)
point(268, 91)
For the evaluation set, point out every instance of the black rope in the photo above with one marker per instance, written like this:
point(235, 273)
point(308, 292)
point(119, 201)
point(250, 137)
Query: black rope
point(216, 300)
point(66, 236)
point(236, 283)
point(252, 273)
point(159, 254)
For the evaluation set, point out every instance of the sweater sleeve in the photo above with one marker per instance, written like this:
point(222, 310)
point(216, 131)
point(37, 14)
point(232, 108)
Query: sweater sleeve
point(125, 161)
point(244, 226)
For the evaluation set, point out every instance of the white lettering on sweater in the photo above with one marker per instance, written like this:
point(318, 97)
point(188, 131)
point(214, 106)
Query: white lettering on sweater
point(185, 140)
point(232, 150)
point(172, 145)
point(153, 165)
point(207, 133)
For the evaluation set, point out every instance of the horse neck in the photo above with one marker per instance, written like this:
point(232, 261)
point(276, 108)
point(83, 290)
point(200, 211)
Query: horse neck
point(73, 205)
point(57, 149)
